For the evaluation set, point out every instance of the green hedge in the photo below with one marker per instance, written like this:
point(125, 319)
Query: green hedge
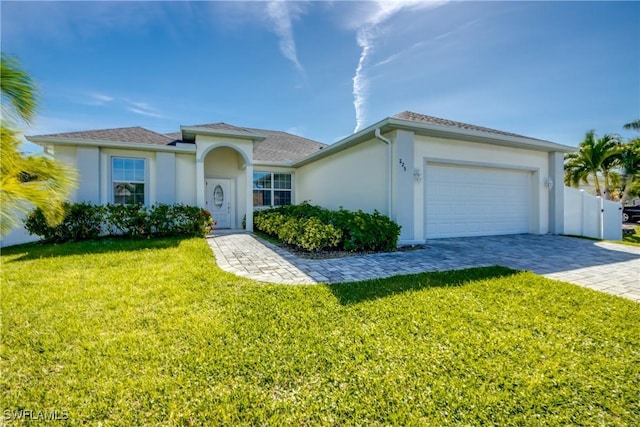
point(85, 221)
point(314, 228)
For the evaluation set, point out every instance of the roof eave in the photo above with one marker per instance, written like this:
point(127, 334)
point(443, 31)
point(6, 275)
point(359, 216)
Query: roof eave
point(48, 141)
point(188, 131)
point(480, 136)
point(282, 164)
point(429, 129)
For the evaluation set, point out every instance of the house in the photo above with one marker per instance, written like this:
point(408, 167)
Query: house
point(436, 178)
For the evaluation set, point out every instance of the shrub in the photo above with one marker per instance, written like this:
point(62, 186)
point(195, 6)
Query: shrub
point(314, 228)
point(127, 220)
point(84, 221)
point(315, 236)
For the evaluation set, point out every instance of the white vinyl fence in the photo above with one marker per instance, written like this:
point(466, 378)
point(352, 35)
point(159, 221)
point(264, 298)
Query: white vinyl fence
point(591, 216)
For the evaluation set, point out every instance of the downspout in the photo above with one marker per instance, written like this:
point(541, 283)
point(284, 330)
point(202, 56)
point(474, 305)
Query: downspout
point(378, 135)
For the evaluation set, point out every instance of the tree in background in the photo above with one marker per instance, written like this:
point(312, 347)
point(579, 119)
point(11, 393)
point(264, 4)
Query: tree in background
point(595, 157)
point(26, 181)
point(635, 125)
point(629, 162)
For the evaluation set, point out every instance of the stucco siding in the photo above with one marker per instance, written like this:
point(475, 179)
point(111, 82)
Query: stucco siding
point(186, 179)
point(88, 166)
point(67, 155)
point(166, 185)
point(355, 178)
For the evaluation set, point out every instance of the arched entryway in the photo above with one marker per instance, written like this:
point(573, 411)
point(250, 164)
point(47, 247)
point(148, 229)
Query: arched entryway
point(226, 176)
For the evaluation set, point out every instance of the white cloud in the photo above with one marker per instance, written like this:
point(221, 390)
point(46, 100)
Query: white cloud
point(367, 31)
point(281, 14)
point(99, 99)
point(144, 109)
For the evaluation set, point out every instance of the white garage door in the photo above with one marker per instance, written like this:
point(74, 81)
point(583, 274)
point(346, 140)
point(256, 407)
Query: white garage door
point(476, 201)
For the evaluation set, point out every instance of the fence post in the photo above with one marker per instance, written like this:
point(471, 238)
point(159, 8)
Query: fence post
point(601, 217)
point(582, 213)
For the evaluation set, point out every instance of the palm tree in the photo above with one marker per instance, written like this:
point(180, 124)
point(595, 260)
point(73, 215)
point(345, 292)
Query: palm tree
point(595, 157)
point(635, 125)
point(629, 161)
point(18, 89)
point(26, 181)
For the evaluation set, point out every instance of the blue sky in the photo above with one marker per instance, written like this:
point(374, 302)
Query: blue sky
point(321, 69)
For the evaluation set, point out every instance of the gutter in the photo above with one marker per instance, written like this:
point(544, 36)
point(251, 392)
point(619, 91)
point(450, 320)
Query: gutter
point(387, 141)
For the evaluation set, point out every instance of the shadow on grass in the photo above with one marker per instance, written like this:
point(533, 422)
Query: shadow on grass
point(31, 251)
point(356, 292)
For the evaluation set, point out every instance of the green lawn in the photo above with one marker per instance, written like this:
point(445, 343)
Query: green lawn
point(151, 332)
point(632, 239)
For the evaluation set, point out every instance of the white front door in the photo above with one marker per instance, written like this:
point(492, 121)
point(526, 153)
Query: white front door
point(219, 201)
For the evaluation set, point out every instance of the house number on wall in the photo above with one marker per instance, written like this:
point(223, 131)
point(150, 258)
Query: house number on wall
point(403, 165)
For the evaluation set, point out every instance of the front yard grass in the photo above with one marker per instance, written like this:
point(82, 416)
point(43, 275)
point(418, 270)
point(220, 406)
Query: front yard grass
point(632, 239)
point(151, 332)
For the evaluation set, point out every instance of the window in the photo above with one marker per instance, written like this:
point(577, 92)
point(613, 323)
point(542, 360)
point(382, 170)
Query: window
point(271, 189)
point(128, 180)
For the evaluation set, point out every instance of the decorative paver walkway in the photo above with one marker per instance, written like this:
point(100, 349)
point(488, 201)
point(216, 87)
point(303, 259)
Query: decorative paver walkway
point(602, 266)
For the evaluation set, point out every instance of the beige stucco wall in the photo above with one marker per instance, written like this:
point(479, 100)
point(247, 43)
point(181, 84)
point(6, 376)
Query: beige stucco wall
point(434, 149)
point(355, 178)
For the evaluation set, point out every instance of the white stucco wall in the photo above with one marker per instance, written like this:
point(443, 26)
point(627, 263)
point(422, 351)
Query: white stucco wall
point(67, 155)
point(355, 178)
point(18, 235)
point(186, 179)
point(434, 149)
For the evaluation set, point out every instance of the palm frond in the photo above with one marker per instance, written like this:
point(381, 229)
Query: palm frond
point(48, 186)
point(18, 89)
point(634, 125)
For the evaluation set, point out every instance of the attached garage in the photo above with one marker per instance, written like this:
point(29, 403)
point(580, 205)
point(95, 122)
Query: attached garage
point(439, 178)
point(463, 200)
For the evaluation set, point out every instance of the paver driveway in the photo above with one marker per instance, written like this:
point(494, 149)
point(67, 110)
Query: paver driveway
point(603, 266)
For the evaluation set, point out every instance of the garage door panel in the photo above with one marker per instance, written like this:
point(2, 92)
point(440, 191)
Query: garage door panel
point(476, 201)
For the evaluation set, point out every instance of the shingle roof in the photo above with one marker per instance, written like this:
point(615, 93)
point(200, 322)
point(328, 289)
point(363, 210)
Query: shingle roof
point(131, 134)
point(421, 118)
point(283, 146)
point(277, 146)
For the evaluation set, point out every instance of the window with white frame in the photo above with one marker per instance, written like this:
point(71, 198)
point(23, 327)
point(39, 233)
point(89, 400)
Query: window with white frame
point(271, 189)
point(128, 176)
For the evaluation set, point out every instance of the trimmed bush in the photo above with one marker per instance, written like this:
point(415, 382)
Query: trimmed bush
point(128, 220)
point(84, 221)
point(314, 228)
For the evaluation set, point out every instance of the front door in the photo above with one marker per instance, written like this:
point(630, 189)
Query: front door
point(219, 201)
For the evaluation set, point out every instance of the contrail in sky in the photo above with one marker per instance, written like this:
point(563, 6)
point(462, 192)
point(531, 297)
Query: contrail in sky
point(366, 36)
